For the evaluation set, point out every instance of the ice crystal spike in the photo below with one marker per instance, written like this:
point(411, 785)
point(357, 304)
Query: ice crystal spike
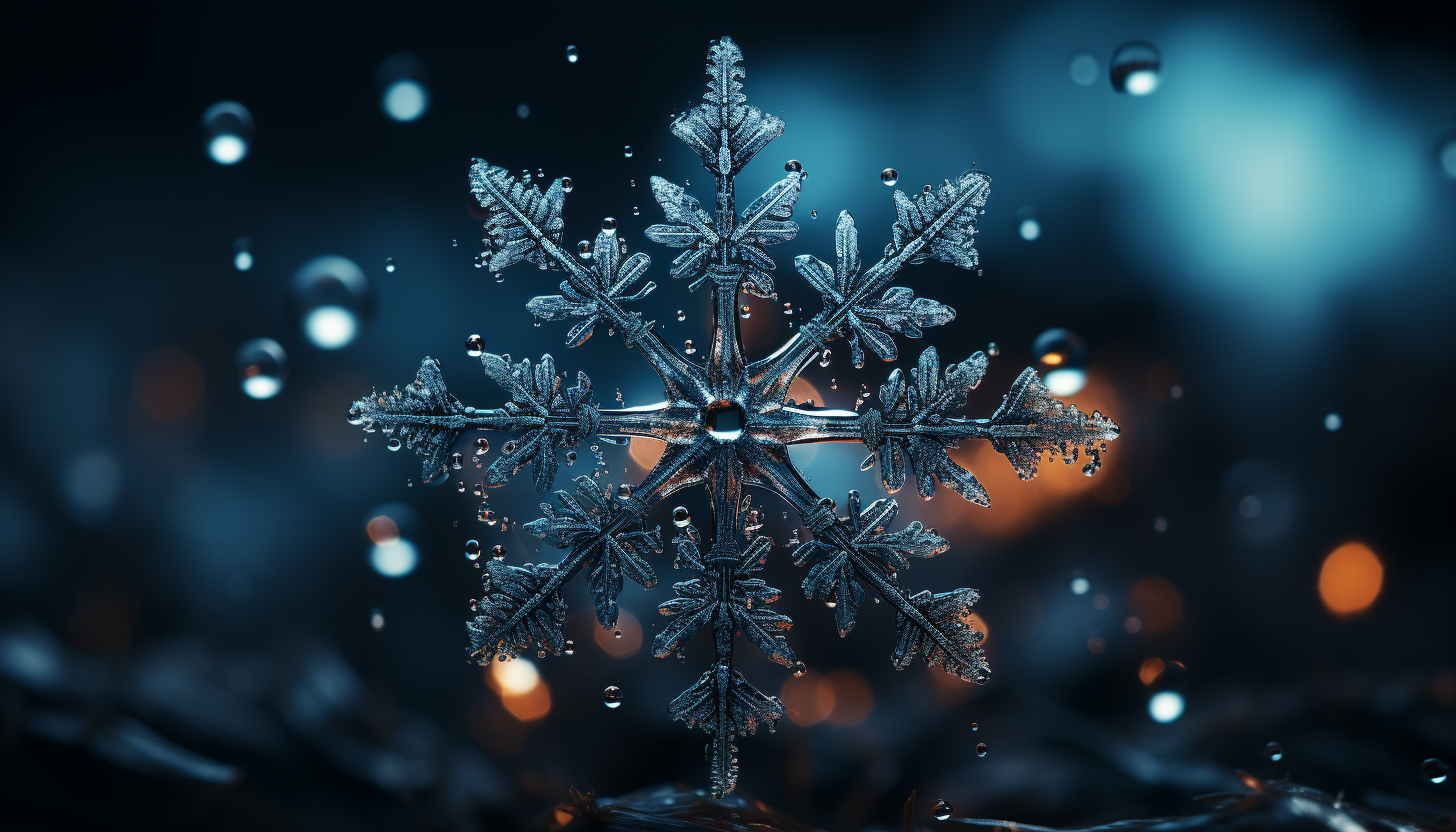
point(727, 422)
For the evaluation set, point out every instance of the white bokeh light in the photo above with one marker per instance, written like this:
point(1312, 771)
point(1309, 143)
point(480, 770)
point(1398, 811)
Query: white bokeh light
point(1166, 706)
point(405, 100)
point(243, 260)
point(227, 149)
point(330, 327)
point(395, 559)
point(1029, 229)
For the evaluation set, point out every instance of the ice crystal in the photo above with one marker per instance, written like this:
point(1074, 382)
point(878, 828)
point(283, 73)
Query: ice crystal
point(728, 423)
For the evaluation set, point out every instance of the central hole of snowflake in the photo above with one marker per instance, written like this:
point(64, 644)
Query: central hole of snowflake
point(724, 421)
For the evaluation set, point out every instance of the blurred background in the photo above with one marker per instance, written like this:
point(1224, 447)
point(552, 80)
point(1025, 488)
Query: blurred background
point(1227, 226)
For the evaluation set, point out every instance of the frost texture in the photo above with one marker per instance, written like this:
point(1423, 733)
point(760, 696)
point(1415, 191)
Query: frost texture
point(909, 431)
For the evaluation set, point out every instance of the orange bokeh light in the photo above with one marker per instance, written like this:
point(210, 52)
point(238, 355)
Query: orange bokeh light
point(645, 451)
point(629, 643)
point(522, 692)
point(1150, 670)
point(853, 699)
point(808, 699)
point(1350, 579)
point(382, 530)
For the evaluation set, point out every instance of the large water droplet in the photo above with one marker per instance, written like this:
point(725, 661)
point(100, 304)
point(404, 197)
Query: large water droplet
point(227, 130)
point(793, 166)
point(262, 368)
point(1136, 68)
point(612, 697)
point(572, 55)
point(583, 249)
point(1435, 770)
point(890, 176)
point(1083, 69)
point(472, 549)
point(941, 810)
point(474, 346)
point(330, 297)
point(1274, 751)
point(981, 749)
point(482, 445)
point(609, 224)
point(680, 517)
point(1062, 358)
point(498, 552)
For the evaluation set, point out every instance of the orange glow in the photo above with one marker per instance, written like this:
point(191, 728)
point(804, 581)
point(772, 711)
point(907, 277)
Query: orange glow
point(521, 690)
point(382, 530)
point(809, 699)
point(802, 391)
point(1150, 670)
point(978, 623)
point(645, 452)
point(629, 643)
point(1350, 579)
point(1052, 359)
point(1157, 602)
point(168, 384)
point(1132, 624)
point(853, 698)
point(1096, 645)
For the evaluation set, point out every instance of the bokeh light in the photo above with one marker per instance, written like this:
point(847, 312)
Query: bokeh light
point(394, 560)
point(1165, 706)
point(330, 296)
point(262, 368)
point(1350, 579)
point(227, 129)
point(404, 93)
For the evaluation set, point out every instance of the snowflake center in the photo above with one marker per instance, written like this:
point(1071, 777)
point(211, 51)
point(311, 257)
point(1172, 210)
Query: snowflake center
point(724, 420)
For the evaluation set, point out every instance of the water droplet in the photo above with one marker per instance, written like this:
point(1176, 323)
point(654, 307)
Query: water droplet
point(566, 184)
point(571, 457)
point(616, 634)
point(227, 128)
point(242, 254)
point(612, 697)
point(389, 264)
point(472, 549)
point(1274, 751)
point(376, 619)
point(975, 726)
point(482, 445)
point(474, 346)
point(680, 517)
point(328, 297)
point(1333, 422)
point(393, 444)
point(793, 166)
point(814, 213)
point(1136, 68)
point(572, 55)
point(457, 462)
point(890, 176)
point(798, 668)
point(941, 810)
point(1083, 69)
point(1062, 358)
point(627, 151)
point(1166, 706)
point(454, 243)
point(981, 749)
point(745, 311)
point(688, 347)
point(1435, 770)
point(498, 552)
point(500, 277)
point(262, 369)
point(681, 316)
point(624, 491)
point(583, 249)
point(634, 210)
point(824, 358)
point(489, 517)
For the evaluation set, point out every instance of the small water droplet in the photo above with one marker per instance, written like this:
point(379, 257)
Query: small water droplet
point(975, 726)
point(389, 264)
point(1136, 68)
point(498, 552)
point(745, 311)
point(393, 444)
point(617, 634)
point(454, 242)
point(624, 491)
point(824, 358)
point(1274, 751)
point(609, 224)
point(489, 517)
point(814, 213)
point(612, 697)
point(681, 316)
point(1062, 357)
point(993, 350)
point(680, 517)
point(572, 55)
point(688, 347)
point(799, 668)
point(941, 810)
point(472, 549)
point(566, 184)
point(482, 445)
point(376, 619)
point(1435, 770)
point(262, 369)
point(890, 176)
point(981, 749)
point(627, 151)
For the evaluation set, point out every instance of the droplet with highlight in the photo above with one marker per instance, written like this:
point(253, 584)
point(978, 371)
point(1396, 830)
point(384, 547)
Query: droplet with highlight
point(1062, 358)
point(1136, 68)
point(227, 130)
point(262, 368)
point(612, 697)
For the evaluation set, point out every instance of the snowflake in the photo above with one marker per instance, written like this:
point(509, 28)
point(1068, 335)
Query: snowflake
point(728, 422)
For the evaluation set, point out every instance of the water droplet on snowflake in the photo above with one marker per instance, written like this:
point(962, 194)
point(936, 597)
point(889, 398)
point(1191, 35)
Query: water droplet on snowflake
point(1136, 68)
point(609, 224)
point(824, 358)
point(612, 696)
point(571, 457)
point(376, 619)
point(1062, 358)
point(624, 491)
point(262, 369)
point(1274, 751)
point(583, 249)
point(393, 444)
point(744, 311)
point(474, 346)
point(566, 184)
point(472, 549)
point(1083, 69)
point(799, 668)
point(1435, 770)
point(227, 127)
point(617, 634)
point(981, 749)
point(688, 347)
point(680, 517)
point(890, 176)
point(498, 552)
point(941, 810)
point(793, 166)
